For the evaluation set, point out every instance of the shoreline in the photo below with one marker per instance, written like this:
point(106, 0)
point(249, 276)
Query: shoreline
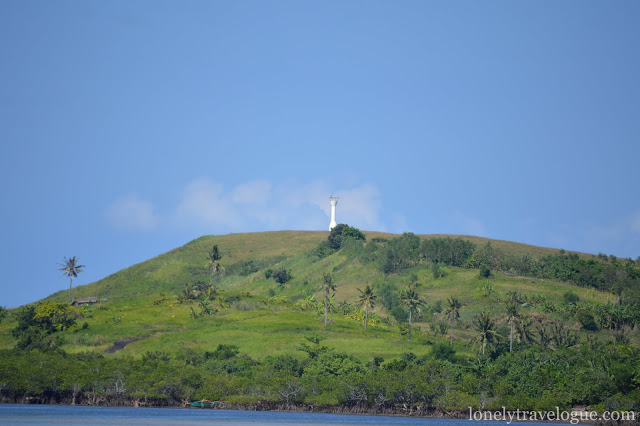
point(147, 402)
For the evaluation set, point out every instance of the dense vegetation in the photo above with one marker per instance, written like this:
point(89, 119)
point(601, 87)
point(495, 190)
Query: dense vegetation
point(426, 324)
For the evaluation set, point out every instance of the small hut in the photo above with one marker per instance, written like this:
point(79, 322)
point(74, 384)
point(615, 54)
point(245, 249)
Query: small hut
point(81, 301)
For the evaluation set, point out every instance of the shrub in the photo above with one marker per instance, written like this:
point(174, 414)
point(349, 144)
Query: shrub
point(587, 321)
point(444, 351)
point(437, 271)
point(437, 307)
point(570, 298)
point(282, 276)
point(485, 272)
point(341, 231)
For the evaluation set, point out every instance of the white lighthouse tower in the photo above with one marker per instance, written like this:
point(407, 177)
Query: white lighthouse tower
point(334, 200)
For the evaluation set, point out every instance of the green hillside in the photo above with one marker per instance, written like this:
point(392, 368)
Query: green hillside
point(262, 317)
point(569, 307)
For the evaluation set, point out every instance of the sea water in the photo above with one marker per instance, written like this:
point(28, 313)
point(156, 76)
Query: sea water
point(23, 414)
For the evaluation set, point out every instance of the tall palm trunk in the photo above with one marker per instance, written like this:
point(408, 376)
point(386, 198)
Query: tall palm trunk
point(511, 337)
point(70, 284)
point(326, 308)
point(366, 317)
point(410, 324)
point(452, 323)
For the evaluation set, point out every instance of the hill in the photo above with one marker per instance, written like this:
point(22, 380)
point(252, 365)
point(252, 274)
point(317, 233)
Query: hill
point(160, 330)
point(260, 315)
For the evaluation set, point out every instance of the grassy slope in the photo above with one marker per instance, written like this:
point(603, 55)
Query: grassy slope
point(260, 328)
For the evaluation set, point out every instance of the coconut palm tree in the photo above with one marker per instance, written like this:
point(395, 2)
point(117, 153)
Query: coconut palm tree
point(486, 330)
point(327, 285)
point(345, 307)
point(213, 258)
point(544, 337)
point(453, 312)
point(512, 316)
point(411, 299)
point(368, 300)
point(71, 269)
point(524, 330)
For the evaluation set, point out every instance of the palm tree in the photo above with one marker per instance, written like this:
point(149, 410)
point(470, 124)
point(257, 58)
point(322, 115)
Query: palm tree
point(71, 269)
point(327, 286)
point(368, 300)
point(544, 337)
point(211, 293)
point(411, 299)
point(485, 327)
point(453, 312)
point(213, 258)
point(345, 307)
point(512, 316)
point(524, 330)
point(514, 296)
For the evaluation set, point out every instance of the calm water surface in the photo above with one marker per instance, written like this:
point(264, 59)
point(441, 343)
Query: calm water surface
point(18, 414)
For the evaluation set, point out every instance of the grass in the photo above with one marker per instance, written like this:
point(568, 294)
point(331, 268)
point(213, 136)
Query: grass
point(259, 328)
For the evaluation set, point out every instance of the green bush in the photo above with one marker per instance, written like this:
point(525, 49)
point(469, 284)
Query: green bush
point(485, 272)
point(437, 271)
point(282, 275)
point(587, 321)
point(570, 298)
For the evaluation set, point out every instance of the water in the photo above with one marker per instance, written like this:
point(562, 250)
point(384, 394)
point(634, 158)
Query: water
point(17, 414)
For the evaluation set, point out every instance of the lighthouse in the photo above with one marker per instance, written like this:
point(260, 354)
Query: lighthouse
point(334, 200)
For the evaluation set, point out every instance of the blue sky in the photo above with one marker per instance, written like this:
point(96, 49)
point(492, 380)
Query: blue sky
point(130, 128)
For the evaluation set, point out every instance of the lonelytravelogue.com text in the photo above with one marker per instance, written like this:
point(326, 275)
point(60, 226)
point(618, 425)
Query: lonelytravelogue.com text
point(556, 415)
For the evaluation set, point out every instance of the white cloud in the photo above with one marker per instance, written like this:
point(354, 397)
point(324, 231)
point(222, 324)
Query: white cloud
point(602, 235)
point(204, 202)
point(254, 192)
point(399, 224)
point(261, 205)
point(359, 207)
point(257, 205)
point(132, 213)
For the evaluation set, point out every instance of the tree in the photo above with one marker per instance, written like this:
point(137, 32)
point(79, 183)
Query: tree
point(55, 316)
point(485, 327)
point(327, 286)
point(412, 300)
point(71, 269)
point(524, 330)
point(512, 316)
point(437, 271)
point(400, 253)
point(355, 233)
point(368, 300)
point(544, 337)
point(341, 231)
point(570, 298)
point(282, 275)
point(37, 323)
point(213, 258)
point(453, 312)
